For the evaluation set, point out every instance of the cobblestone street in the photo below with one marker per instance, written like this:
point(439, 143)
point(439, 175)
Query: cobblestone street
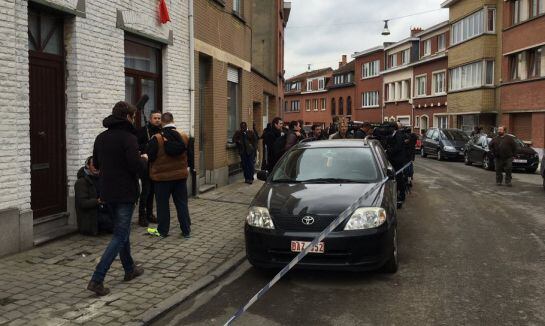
point(46, 285)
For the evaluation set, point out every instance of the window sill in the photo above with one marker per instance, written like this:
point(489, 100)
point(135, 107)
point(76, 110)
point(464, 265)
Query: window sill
point(220, 2)
point(528, 80)
point(524, 22)
point(370, 77)
point(237, 15)
point(397, 101)
point(484, 87)
point(371, 107)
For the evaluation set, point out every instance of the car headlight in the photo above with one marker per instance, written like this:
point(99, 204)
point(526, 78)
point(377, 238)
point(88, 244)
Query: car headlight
point(260, 218)
point(449, 148)
point(366, 218)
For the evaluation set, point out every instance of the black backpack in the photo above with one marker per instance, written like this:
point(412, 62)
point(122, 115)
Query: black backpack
point(174, 144)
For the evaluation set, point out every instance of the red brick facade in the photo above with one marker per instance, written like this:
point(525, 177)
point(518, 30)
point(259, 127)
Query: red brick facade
point(369, 84)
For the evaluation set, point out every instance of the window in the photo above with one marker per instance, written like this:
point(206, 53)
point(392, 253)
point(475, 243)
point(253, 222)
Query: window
point(421, 86)
point(295, 106)
point(349, 78)
point(341, 106)
point(527, 64)
point(295, 86)
point(333, 110)
point(286, 106)
point(417, 122)
point(472, 75)
point(233, 101)
point(309, 85)
point(423, 122)
point(143, 75)
point(321, 83)
point(339, 79)
point(323, 104)
point(541, 7)
point(491, 20)
point(534, 62)
point(237, 7)
point(349, 105)
point(439, 83)
point(315, 106)
point(427, 47)
point(405, 57)
point(468, 27)
point(288, 87)
point(307, 105)
point(370, 69)
point(392, 60)
point(369, 99)
point(516, 66)
point(441, 42)
point(442, 122)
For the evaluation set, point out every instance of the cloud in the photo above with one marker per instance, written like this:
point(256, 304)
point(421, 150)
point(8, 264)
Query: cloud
point(320, 31)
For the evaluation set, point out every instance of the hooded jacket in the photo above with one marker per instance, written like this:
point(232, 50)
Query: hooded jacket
point(86, 203)
point(116, 156)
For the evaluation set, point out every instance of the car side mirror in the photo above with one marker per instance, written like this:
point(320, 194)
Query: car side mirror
point(390, 173)
point(262, 175)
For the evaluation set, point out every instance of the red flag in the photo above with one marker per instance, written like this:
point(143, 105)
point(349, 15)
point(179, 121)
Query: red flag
point(164, 17)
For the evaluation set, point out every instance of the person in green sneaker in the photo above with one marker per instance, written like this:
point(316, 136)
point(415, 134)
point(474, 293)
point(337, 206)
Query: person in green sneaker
point(167, 153)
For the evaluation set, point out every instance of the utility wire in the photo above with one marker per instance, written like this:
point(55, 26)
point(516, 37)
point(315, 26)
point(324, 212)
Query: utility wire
point(363, 22)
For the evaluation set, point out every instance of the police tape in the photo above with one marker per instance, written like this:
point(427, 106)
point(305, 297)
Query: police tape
point(332, 226)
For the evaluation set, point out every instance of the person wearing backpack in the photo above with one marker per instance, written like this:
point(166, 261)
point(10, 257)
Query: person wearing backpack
point(167, 152)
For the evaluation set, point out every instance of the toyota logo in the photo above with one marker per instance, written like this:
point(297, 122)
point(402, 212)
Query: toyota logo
point(308, 220)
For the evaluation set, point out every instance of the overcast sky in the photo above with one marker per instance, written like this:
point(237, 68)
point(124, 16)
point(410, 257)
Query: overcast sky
point(320, 31)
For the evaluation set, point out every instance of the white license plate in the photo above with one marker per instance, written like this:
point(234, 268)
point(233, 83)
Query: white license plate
point(520, 161)
point(298, 246)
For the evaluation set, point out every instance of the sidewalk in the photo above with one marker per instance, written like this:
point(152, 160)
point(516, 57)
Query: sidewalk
point(46, 285)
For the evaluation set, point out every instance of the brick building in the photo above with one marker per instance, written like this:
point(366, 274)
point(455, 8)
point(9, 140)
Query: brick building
point(239, 77)
point(398, 79)
point(368, 66)
point(523, 70)
point(63, 66)
point(474, 62)
point(306, 97)
point(430, 78)
point(342, 90)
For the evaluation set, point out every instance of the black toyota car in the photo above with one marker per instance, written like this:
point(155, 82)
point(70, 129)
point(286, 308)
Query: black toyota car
point(444, 143)
point(477, 151)
point(310, 186)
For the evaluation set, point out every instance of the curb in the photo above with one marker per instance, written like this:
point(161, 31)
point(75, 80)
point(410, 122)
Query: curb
point(178, 298)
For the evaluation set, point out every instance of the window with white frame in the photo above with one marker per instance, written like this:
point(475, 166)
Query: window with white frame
point(491, 20)
point(404, 120)
point(369, 99)
point(439, 83)
point(307, 105)
point(441, 42)
point(315, 105)
point(392, 60)
point(421, 86)
point(427, 47)
point(405, 57)
point(472, 75)
point(295, 86)
point(237, 6)
point(339, 79)
point(349, 78)
point(295, 106)
point(309, 85)
point(323, 104)
point(321, 83)
point(417, 121)
point(424, 122)
point(527, 64)
point(471, 26)
point(442, 121)
point(370, 69)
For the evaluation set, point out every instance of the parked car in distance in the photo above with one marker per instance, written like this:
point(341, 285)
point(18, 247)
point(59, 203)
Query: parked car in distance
point(477, 152)
point(309, 187)
point(444, 143)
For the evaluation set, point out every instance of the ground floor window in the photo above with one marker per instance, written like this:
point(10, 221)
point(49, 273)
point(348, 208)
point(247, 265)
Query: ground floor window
point(442, 121)
point(233, 101)
point(424, 124)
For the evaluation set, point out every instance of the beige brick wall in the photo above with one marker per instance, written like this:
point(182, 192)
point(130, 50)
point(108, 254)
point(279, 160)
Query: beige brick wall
point(466, 7)
point(478, 100)
point(485, 46)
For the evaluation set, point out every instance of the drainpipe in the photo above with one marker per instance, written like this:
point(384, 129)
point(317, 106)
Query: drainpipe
point(191, 22)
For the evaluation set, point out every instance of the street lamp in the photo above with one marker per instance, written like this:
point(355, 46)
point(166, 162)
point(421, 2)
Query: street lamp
point(386, 31)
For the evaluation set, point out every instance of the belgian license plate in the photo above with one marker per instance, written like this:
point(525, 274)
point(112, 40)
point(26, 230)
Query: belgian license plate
point(298, 246)
point(520, 161)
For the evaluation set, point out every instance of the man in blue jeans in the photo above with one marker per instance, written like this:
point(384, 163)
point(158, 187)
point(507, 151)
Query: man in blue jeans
point(117, 157)
point(167, 152)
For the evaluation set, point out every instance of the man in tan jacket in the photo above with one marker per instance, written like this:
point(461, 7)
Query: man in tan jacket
point(167, 152)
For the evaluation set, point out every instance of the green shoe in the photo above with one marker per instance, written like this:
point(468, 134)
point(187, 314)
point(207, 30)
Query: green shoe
point(154, 232)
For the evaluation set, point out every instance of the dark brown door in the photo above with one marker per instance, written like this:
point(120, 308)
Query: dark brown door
point(47, 115)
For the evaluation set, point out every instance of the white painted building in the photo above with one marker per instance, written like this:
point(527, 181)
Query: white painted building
point(63, 65)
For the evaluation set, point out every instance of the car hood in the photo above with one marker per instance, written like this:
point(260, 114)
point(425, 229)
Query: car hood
point(526, 151)
point(455, 143)
point(319, 199)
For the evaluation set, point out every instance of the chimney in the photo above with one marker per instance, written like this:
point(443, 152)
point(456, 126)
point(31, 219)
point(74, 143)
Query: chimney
point(343, 61)
point(415, 30)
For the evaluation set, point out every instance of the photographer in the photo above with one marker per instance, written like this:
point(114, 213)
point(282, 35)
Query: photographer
point(398, 157)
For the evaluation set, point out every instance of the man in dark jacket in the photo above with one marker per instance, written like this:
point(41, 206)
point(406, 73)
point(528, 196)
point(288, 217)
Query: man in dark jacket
point(145, 203)
point(398, 157)
point(365, 130)
point(91, 215)
point(246, 141)
point(504, 148)
point(269, 139)
point(169, 172)
point(293, 137)
point(116, 156)
point(317, 133)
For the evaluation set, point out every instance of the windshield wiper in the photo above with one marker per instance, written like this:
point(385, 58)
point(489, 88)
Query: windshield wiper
point(285, 181)
point(332, 180)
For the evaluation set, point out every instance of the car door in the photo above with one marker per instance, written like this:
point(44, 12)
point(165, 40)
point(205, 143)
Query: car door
point(480, 149)
point(390, 192)
point(428, 142)
point(434, 142)
point(471, 148)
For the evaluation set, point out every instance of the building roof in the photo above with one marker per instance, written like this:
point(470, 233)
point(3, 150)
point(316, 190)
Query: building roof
point(406, 40)
point(433, 28)
point(310, 74)
point(350, 66)
point(368, 51)
point(448, 3)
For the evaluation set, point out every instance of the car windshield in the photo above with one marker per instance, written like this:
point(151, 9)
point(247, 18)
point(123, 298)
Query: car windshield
point(454, 135)
point(327, 165)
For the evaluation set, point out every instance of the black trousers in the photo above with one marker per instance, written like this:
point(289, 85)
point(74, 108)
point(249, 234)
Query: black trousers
point(145, 204)
point(178, 190)
point(503, 165)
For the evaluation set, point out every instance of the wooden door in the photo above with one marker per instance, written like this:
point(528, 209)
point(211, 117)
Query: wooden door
point(47, 115)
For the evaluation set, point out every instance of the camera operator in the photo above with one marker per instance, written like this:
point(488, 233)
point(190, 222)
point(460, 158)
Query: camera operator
point(398, 157)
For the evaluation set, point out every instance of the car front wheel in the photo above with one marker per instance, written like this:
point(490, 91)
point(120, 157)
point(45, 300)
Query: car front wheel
point(439, 155)
point(487, 165)
point(392, 264)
